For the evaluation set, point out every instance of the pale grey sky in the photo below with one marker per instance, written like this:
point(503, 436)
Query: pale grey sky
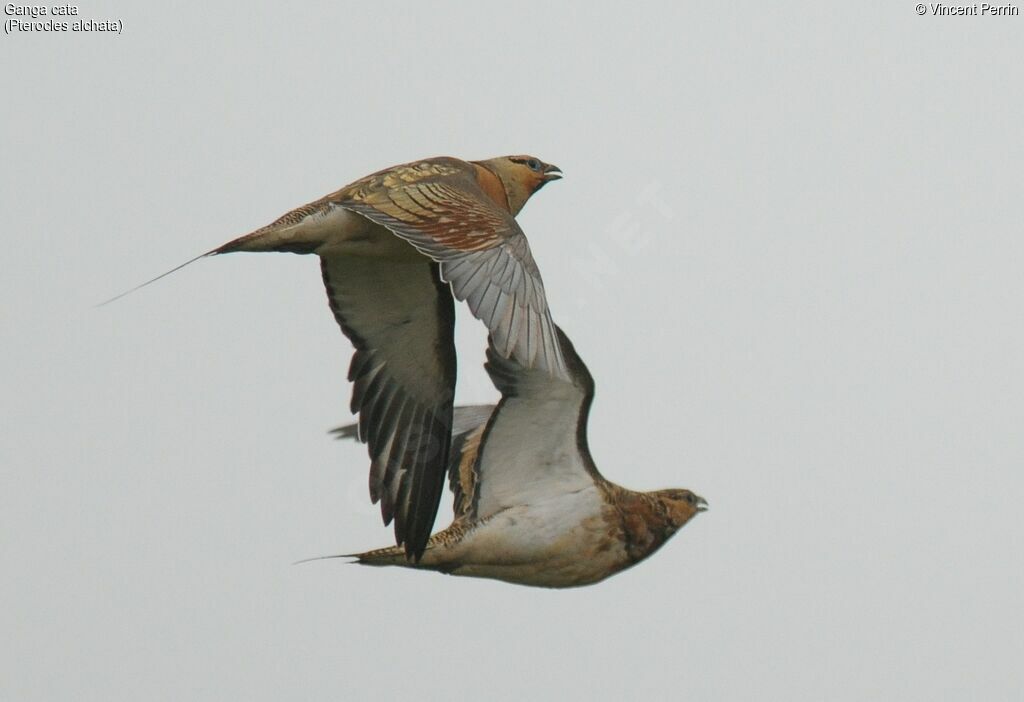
point(788, 244)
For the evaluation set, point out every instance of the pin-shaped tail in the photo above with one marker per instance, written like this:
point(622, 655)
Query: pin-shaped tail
point(162, 275)
point(273, 237)
point(327, 558)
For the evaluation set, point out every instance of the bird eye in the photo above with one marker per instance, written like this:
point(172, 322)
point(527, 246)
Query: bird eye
point(534, 164)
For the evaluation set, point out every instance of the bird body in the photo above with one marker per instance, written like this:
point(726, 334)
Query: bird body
point(566, 540)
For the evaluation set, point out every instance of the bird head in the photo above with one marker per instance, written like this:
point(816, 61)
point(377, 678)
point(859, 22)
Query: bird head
point(680, 505)
point(522, 176)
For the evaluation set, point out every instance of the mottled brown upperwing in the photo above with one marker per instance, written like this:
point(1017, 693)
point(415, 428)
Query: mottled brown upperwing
point(439, 202)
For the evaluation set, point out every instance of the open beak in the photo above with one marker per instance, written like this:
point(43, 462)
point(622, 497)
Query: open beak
point(552, 173)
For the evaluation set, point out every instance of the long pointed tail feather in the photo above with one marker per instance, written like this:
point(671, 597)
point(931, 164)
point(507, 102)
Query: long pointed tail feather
point(389, 555)
point(271, 238)
point(162, 275)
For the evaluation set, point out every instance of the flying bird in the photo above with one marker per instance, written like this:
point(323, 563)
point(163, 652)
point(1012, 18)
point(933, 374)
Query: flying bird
point(530, 506)
point(394, 247)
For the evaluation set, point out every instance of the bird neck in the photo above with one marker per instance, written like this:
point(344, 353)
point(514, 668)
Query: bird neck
point(646, 524)
point(492, 186)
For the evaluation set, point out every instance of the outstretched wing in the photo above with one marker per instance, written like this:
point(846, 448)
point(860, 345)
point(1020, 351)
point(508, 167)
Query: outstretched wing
point(535, 443)
point(483, 252)
point(400, 318)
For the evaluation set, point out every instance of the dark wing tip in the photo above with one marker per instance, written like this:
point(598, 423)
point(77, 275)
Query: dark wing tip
point(409, 470)
point(577, 368)
point(504, 371)
point(426, 483)
point(348, 431)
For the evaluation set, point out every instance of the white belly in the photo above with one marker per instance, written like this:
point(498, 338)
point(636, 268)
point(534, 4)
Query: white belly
point(563, 541)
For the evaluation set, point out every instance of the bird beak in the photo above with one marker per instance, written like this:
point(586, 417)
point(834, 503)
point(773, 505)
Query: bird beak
point(702, 504)
point(551, 173)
